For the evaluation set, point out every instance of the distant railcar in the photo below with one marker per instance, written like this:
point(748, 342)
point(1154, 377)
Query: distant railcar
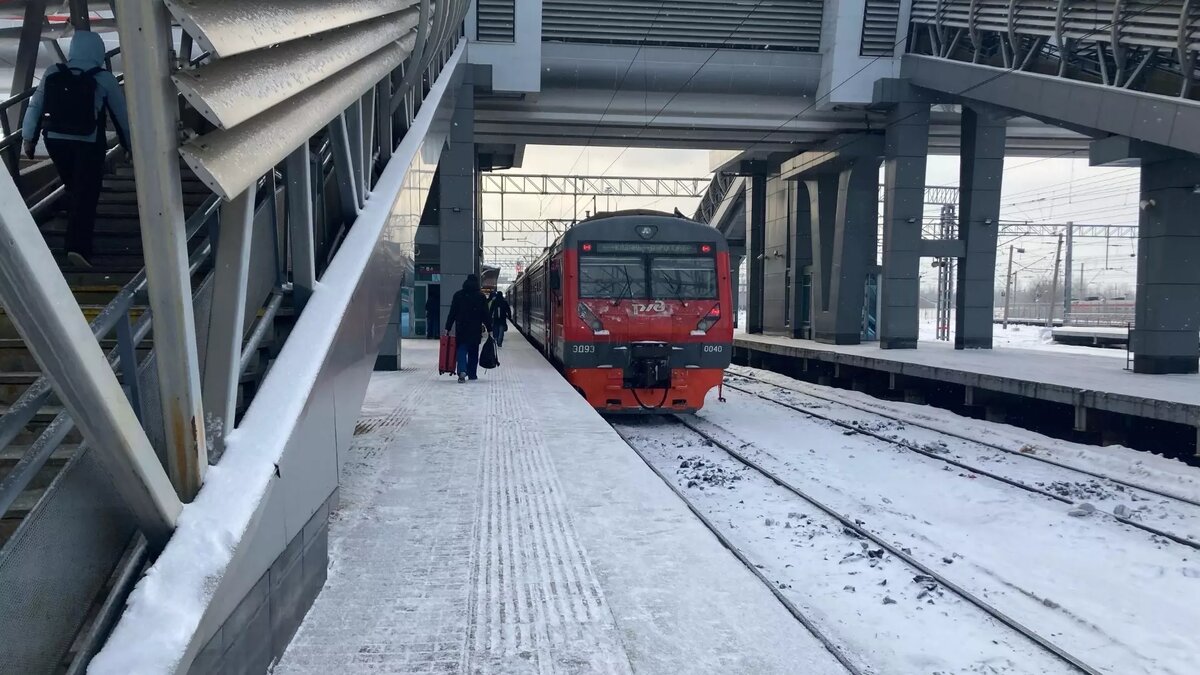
point(636, 309)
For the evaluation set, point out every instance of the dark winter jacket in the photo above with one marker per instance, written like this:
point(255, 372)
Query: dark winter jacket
point(468, 313)
point(500, 310)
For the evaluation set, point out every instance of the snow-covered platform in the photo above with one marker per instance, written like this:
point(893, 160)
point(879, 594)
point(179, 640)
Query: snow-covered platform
point(502, 526)
point(1085, 382)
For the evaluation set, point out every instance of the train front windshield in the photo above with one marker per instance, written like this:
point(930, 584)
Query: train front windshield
point(655, 277)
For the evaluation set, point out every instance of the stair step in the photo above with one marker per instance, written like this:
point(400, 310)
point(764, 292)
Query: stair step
point(127, 184)
point(16, 357)
point(123, 197)
point(105, 227)
point(9, 331)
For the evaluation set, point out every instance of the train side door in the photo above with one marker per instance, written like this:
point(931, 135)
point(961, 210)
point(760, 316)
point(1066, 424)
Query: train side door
point(553, 305)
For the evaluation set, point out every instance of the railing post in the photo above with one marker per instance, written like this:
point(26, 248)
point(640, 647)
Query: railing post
point(226, 320)
point(36, 297)
point(300, 225)
point(145, 31)
point(127, 352)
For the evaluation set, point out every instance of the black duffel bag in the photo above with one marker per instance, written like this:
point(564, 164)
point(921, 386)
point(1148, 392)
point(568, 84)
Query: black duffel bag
point(487, 357)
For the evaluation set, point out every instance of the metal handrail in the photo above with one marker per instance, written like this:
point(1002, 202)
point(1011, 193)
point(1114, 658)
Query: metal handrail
point(33, 398)
point(19, 478)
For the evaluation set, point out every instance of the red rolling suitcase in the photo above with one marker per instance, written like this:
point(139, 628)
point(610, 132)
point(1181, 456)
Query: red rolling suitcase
point(447, 356)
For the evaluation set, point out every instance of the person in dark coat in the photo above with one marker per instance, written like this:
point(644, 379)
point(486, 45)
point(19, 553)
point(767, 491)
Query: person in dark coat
point(431, 314)
point(501, 314)
point(79, 157)
point(469, 318)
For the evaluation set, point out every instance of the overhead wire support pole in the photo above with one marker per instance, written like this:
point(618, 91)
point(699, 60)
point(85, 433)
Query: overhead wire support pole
point(145, 32)
point(1069, 264)
point(39, 301)
point(1008, 283)
point(1054, 282)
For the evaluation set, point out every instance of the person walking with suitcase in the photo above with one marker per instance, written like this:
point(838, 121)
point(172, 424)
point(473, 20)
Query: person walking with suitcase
point(70, 105)
point(469, 318)
point(501, 314)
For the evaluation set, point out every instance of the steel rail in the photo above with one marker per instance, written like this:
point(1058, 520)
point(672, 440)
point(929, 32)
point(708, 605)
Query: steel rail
point(851, 524)
point(791, 607)
point(912, 447)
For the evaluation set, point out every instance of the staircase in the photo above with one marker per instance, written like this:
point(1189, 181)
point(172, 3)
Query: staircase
point(116, 260)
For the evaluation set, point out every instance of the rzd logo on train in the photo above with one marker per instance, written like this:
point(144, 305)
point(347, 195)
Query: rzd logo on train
point(656, 307)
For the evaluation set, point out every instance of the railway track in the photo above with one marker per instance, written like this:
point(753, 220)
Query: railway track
point(1186, 504)
point(791, 607)
point(850, 524)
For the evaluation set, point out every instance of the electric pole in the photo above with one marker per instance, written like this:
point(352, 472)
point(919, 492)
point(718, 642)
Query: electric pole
point(1068, 286)
point(1054, 281)
point(1008, 286)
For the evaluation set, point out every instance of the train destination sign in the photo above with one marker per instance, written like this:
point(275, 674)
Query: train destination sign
point(642, 247)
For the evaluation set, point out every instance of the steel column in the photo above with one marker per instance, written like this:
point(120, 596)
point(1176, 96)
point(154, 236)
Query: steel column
point(27, 53)
point(79, 14)
point(383, 101)
point(36, 296)
point(300, 225)
point(368, 142)
point(354, 134)
point(226, 320)
point(343, 165)
point(145, 30)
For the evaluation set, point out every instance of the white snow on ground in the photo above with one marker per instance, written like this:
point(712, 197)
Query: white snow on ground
point(885, 615)
point(1142, 468)
point(502, 527)
point(1016, 336)
point(1022, 465)
point(1119, 599)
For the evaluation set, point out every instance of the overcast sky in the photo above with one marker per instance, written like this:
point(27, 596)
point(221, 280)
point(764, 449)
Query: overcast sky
point(1035, 190)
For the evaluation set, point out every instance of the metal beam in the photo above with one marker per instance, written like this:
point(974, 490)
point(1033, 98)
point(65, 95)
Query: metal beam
point(300, 225)
point(343, 166)
point(27, 53)
point(226, 320)
point(39, 301)
point(1055, 229)
point(145, 30)
point(587, 186)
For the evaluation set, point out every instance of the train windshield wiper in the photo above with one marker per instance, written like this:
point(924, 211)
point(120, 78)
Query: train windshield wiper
point(628, 287)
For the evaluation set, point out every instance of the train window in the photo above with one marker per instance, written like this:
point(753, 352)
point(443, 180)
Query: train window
point(684, 278)
point(612, 277)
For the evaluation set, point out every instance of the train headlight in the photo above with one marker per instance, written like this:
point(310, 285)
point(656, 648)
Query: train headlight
point(588, 317)
point(710, 319)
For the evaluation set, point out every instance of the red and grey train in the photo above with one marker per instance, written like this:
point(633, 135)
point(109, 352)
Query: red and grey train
point(635, 308)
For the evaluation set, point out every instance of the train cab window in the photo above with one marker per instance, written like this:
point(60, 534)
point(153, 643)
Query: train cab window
point(612, 277)
point(683, 278)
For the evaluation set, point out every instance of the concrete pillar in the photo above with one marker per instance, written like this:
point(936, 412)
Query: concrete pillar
point(905, 150)
point(776, 291)
point(845, 244)
point(1167, 324)
point(736, 256)
point(457, 182)
point(802, 257)
point(756, 218)
point(981, 172)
